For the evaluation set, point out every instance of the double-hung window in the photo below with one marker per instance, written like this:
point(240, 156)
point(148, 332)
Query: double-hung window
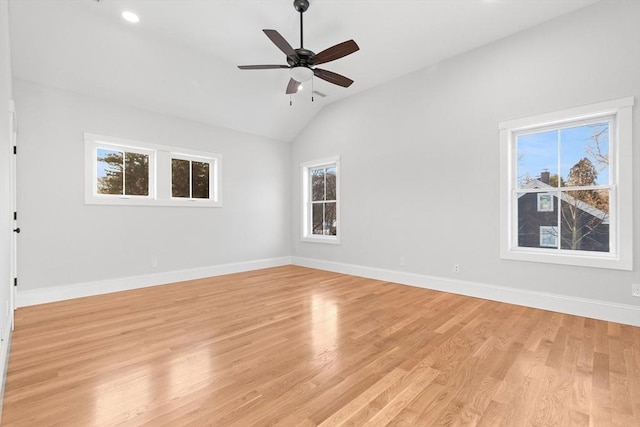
point(125, 172)
point(321, 200)
point(566, 187)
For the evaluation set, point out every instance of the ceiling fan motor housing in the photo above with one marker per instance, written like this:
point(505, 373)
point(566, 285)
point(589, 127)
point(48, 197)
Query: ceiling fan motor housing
point(303, 58)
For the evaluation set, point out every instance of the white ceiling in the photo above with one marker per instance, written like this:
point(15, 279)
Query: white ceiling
point(181, 58)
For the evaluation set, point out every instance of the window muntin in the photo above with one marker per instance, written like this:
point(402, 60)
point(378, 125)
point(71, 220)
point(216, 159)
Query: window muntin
point(124, 172)
point(582, 158)
point(320, 212)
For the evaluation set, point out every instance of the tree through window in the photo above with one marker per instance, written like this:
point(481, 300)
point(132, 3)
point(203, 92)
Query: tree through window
point(122, 172)
point(190, 179)
point(323, 201)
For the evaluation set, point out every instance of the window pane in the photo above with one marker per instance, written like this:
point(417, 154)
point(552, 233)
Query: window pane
point(536, 226)
point(317, 184)
point(324, 219)
point(109, 171)
point(200, 180)
point(585, 220)
point(180, 178)
point(584, 154)
point(136, 174)
point(331, 183)
point(330, 222)
point(317, 219)
point(537, 159)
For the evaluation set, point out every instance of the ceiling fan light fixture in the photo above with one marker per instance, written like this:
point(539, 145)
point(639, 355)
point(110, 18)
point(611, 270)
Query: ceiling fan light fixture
point(301, 74)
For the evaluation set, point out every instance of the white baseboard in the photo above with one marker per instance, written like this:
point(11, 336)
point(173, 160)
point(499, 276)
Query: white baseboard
point(78, 290)
point(619, 313)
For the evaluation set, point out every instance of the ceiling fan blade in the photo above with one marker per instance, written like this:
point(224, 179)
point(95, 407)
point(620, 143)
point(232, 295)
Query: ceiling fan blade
point(279, 41)
point(335, 52)
point(331, 77)
point(292, 87)
point(261, 67)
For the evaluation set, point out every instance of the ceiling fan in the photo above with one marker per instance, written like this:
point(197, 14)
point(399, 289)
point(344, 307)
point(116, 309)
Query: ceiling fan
point(302, 61)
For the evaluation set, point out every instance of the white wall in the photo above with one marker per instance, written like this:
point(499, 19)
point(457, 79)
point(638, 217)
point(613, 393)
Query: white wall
point(65, 242)
point(6, 282)
point(420, 154)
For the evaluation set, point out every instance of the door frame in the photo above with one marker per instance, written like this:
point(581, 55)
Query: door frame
point(13, 129)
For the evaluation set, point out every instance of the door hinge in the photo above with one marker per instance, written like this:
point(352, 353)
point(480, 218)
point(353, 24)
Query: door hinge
point(15, 281)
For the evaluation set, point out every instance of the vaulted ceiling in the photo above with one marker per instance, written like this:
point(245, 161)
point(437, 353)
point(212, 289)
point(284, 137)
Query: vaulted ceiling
point(181, 58)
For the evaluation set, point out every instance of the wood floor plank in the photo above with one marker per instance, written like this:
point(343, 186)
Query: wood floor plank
point(293, 346)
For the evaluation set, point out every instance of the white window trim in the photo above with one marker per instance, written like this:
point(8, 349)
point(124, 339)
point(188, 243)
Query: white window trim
point(159, 173)
point(305, 167)
point(621, 224)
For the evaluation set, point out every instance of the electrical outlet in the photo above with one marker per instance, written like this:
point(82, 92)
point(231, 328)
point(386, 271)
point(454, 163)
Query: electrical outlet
point(154, 263)
point(635, 290)
point(456, 268)
point(402, 261)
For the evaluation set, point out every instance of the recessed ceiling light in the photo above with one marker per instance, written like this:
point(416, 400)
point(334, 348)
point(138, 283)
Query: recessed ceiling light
point(130, 16)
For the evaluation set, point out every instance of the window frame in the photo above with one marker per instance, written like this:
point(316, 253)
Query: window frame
point(307, 204)
point(159, 173)
point(620, 255)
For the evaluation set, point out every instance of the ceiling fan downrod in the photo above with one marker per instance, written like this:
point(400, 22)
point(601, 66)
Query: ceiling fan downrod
point(301, 6)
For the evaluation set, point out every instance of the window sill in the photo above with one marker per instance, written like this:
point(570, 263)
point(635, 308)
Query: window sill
point(136, 201)
point(331, 240)
point(583, 259)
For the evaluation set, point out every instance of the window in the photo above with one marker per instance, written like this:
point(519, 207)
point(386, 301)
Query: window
point(119, 171)
point(548, 236)
point(190, 178)
point(545, 202)
point(122, 171)
point(321, 200)
point(566, 187)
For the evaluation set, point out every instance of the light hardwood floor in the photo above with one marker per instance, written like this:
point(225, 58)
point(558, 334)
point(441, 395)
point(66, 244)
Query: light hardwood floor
point(295, 346)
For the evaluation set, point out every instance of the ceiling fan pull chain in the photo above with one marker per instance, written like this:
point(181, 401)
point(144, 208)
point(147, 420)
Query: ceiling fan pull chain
point(311, 88)
point(290, 100)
